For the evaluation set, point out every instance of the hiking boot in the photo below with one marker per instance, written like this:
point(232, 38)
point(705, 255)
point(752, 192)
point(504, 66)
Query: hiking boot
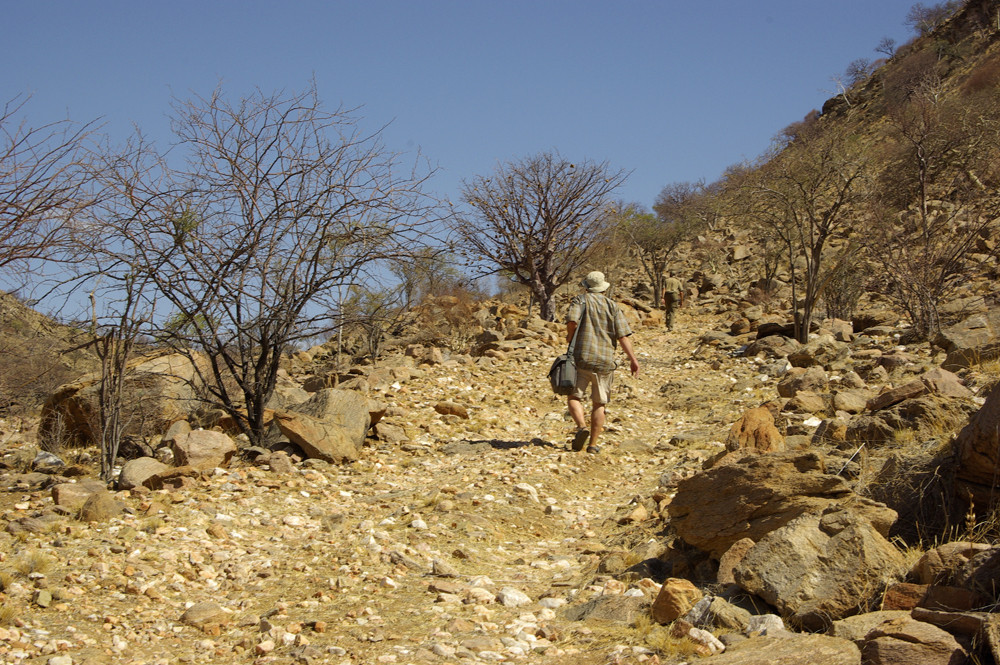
point(580, 440)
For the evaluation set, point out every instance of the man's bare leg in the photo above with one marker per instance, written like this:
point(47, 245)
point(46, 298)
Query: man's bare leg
point(582, 431)
point(576, 411)
point(596, 423)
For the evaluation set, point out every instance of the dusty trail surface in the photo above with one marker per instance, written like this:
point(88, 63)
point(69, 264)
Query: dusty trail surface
point(467, 544)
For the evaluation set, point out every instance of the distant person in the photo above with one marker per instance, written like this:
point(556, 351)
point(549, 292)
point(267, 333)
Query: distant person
point(673, 297)
point(599, 326)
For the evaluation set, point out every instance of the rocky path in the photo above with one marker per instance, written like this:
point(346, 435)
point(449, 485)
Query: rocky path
point(466, 544)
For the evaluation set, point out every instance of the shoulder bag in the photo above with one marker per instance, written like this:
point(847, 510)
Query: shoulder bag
point(562, 374)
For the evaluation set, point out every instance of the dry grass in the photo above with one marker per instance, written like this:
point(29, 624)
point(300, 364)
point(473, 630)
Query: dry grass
point(658, 638)
point(915, 482)
point(20, 460)
point(982, 528)
point(33, 561)
point(152, 524)
point(911, 553)
point(7, 615)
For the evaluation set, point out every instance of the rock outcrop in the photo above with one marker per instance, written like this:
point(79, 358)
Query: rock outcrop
point(977, 450)
point(821, 567)
point(756, 494)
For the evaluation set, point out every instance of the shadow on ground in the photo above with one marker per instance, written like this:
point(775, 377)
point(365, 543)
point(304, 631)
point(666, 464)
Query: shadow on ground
point(476, 447)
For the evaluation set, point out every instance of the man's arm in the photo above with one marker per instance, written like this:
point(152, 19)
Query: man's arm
point(626, 345)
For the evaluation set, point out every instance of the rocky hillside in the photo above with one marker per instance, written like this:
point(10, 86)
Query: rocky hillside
point(732, 501)
point(755, 499)
point(37, 355)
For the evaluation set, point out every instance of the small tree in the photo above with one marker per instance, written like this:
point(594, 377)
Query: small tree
point(372, 312)
point(846, 283)
point(648, 239)
point(654, 238)
point(924, 18)
point(428, 271)
point(278, 202)
point(858, 70)
point(887, 46)
point(538, 220)
point(804, 195)
point(114, 345)
point(943, 160)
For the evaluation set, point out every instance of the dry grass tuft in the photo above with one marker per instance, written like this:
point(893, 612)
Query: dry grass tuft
point(33, 561)
point(151, 524)
point(983, 528)
point(915, 481)
point(658, 638)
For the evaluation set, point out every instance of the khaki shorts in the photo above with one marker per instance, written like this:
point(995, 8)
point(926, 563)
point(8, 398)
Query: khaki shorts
point(599, 383)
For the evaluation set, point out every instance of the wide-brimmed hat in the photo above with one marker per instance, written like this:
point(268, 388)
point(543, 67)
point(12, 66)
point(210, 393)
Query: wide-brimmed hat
point(594, 282)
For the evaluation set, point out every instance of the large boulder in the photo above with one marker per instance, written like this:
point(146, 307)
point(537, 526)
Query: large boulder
point(320, 439)
point(936, 381)
point(981, 574)
point(822, 351)
point(72, 496)
point(755, 432)
point(855, 628)
point(158, 391)
point(286, 392)
point(756, 494)
point(972, 341)
point(928, 413)
point(100, 507)
point(977, 450)
point(135, 473)
point(202, 449)
point(821, 567)
point(714, 613)
point(771, 346)
point(346, 408)
point(904, 641)
point(940, 564)
point(812, 379)
point(791, 649)
point(331, 425)
point(675, 598)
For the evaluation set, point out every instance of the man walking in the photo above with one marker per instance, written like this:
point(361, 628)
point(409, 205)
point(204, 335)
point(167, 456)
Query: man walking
point(599, 326)
point(673, 297)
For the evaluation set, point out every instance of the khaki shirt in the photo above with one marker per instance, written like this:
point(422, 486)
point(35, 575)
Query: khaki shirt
point(599, 324)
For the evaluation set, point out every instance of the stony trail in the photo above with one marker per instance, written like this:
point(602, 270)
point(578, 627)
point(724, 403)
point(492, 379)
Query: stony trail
point(466, 544)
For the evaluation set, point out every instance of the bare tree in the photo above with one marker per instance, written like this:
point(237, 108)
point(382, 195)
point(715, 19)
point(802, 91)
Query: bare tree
point(538, 220)
point(886, 46)
point(428, 271)
point(649, 238)
point(858, 70)
point(277, 203)
point(42, 178)
point(935, 210)
point(804, 195)
point(654, 238)
point(371, 313)
point(114, 344)
point(924, 18)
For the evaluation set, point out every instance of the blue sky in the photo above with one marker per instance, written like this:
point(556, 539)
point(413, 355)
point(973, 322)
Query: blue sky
point(672, 91)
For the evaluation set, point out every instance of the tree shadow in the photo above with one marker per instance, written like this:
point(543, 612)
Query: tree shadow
point(478, 446)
